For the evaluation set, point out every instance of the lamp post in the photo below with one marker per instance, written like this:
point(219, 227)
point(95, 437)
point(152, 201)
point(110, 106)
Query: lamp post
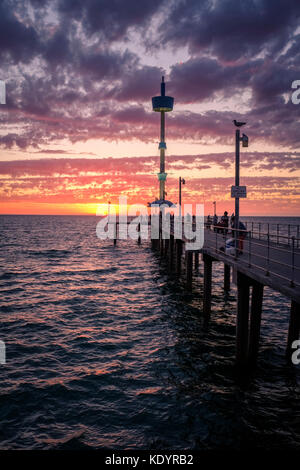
point(215, 207)
point(181, 181)
point(239, 191)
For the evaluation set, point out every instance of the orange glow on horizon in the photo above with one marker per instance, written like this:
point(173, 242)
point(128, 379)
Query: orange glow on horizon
point(247, 208)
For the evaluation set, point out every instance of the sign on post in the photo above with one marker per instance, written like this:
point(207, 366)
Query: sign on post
point(238, 191)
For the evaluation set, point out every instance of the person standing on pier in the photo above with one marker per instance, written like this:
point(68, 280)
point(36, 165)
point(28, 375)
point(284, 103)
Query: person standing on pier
point(232, 219)
point(208, 222)
point(241, 234)
point(215, 221)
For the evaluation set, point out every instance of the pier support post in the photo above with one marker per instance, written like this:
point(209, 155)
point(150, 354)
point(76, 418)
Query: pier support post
point(255, 321)
point(178, 256)
point(242, 319)
point(171, 252)
point(166, 250)
point(139, 234)
point(294, 327)
point(207, 285)
point(115, 234)
point(226, 277)
point(196, 260)
point(161, 241)
point(189, 269)
point(161, 245)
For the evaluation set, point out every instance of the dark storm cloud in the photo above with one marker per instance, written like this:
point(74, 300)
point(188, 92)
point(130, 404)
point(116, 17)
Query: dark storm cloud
point(82, 86)
point(199, 78)
point(18, 42)
point(139, 84)
point(106, 64)
point(229, 29)
point(109, 19)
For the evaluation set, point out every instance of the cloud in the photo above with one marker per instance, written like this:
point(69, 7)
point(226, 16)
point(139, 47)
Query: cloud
point(231, 30)
point(72, 76)
point(19, 42)
point(133, 166)
point(110, 20)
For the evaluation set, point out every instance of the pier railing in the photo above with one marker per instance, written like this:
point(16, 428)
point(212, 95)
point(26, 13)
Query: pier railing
point(280, 260)
point(281, 233)
point(278, 233)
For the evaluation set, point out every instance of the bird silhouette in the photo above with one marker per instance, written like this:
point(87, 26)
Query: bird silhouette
point(238, 124)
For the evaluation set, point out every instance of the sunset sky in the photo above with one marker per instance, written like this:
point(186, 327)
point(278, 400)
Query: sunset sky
point(78, 129)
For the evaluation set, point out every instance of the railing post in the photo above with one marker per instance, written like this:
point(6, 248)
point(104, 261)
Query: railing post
point(236, 243)
point(277, 234)
point(289, 234)
point(259, 224)
point(268, 258)
point(250, 247)
point(297, 236)
point(293, 263)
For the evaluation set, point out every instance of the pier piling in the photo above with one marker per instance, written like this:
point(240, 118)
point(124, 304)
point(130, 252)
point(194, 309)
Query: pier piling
point(242, 320)
point(196, 260)
point(171, 252)
point(166, 248)
point(226, 277)
point(178, 256)
point(115, 234)
point(189, 269)
point(161, 245)
point(255, 321)
point(207, 284)
point(294, 327)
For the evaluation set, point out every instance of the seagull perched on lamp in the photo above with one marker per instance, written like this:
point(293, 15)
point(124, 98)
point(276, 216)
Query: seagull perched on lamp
point(238, 124)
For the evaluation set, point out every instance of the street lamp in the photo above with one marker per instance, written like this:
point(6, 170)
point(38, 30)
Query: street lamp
point(181, 181)
point(215, 207)
point(238, 191)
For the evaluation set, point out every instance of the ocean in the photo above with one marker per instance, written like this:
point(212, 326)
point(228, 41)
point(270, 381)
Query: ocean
point(106, 350)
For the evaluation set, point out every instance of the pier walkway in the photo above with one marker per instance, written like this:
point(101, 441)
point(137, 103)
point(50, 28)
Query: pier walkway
point(274, 265)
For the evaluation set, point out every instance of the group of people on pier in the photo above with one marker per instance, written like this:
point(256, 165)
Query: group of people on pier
point(222, 226)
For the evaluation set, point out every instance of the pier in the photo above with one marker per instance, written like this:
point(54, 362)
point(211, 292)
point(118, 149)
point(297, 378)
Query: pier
point(264, 262)
point(268, 259)
point(259, 256)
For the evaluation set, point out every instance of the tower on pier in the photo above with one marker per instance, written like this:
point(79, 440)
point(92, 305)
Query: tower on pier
point(162, 104)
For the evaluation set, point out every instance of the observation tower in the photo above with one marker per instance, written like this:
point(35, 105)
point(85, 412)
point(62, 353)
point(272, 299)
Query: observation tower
point(162, 104)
